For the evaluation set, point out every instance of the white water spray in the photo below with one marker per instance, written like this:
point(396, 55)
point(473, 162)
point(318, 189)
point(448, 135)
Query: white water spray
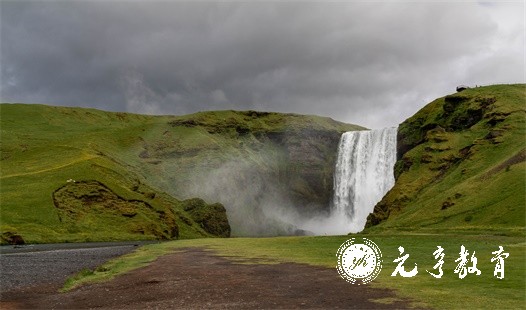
point(363, 175)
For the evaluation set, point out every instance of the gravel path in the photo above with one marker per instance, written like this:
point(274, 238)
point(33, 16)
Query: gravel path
point(37, 266)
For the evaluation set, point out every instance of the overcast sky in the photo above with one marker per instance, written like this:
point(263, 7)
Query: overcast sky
point(368, 63)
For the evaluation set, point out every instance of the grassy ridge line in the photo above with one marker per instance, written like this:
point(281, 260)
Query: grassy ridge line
point(473, 292)
point(87, 157)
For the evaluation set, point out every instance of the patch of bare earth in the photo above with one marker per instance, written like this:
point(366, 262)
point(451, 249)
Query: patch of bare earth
point(197, 278)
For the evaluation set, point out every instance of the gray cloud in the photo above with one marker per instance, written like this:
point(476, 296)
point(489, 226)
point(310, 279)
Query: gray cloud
point(372, 64)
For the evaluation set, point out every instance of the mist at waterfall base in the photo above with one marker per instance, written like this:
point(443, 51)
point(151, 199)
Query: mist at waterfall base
point(258, 206)
point(362, 176)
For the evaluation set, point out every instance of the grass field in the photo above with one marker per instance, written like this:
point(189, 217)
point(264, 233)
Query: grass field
point(472, 292)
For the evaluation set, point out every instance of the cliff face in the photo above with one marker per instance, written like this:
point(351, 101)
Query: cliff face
point(460, 164)
point(311, 156)
point(265, 168)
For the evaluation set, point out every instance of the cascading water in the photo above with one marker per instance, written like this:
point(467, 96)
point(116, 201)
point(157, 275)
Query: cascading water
point(363, 175)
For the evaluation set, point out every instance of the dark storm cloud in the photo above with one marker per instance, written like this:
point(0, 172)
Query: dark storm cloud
point(372, 64)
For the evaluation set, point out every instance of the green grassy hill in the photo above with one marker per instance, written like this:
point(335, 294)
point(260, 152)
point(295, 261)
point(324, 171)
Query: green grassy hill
point(73, 174)
point(461, 166)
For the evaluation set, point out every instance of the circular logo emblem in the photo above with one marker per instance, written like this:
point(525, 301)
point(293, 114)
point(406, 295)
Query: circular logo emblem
point(359, 263)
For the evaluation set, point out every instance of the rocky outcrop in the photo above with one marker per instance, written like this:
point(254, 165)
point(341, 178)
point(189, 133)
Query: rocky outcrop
point(211, 217)
point(78, 202)
point(457, 113)
point(11, 238)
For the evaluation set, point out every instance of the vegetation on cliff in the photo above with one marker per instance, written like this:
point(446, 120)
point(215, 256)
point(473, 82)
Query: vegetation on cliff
point(461, 164)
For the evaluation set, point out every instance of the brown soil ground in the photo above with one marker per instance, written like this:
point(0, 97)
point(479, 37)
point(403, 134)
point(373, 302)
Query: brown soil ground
point(197, 278)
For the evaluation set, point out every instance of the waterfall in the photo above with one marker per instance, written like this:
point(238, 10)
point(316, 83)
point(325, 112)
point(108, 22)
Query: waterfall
point(363, 175)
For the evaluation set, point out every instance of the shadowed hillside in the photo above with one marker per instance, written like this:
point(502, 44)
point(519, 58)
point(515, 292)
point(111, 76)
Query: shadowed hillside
point(461, 165)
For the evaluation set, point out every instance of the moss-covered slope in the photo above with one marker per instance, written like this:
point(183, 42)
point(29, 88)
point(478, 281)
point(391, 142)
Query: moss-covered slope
point(132, 172)
point(461, 165)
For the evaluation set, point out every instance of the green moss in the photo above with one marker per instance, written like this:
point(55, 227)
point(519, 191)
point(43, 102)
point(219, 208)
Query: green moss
point(211, 217)
point(80, 202)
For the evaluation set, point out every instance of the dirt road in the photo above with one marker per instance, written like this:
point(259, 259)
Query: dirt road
point(197, 278)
